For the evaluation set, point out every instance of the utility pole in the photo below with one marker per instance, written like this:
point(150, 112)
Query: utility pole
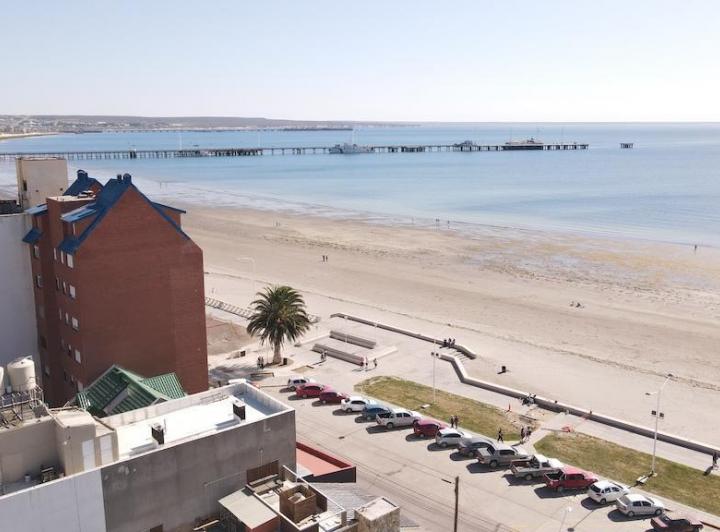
point(457, 498)
point(657, 418)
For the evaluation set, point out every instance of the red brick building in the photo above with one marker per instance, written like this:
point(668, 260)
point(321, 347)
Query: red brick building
point(116, 281)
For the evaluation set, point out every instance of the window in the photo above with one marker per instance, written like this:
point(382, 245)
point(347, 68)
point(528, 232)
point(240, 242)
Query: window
point(75, 324)
point(55, 254)
point(57, 283)
point(36, 251)
point(60, 314)
point(62, 343)
point(70, 261)
point(65, 375)
point(38, 281)
point(69, 350)
point(67, 318)
point(71, 289)
point(78, 358)
point(62, 257)
point(47, 369)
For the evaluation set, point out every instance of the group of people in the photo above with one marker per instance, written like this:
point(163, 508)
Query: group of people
point(366, 363)
point(448, 342)
point(525, 433)
point(529, 399)
point(260, 362)
point(324, 258)
point(454, 420)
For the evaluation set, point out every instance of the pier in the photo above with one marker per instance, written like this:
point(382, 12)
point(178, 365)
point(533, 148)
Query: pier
point(297, 150)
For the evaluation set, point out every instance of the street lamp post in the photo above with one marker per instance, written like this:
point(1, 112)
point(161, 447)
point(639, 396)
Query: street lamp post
point(657, 419)
point(434, 356)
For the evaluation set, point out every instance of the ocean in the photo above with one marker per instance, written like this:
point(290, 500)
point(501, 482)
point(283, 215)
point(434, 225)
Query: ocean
point(667, 188)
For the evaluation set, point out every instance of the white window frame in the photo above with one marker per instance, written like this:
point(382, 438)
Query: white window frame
point(36, 251)
point(62, 257)
point(38, 281)
point(78, 357)
point(75, 324)
point(55, 254)
point(70, 261)
point(71, 291)
point(67, 318)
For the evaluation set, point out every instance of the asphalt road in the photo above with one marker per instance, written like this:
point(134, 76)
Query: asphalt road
point(419, 477)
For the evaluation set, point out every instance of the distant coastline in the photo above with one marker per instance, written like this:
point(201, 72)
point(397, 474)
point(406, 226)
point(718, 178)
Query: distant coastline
point(8, 136)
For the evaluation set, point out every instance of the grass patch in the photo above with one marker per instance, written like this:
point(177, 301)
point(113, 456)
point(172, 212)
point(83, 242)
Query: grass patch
point(474, 416)
point(674, 481)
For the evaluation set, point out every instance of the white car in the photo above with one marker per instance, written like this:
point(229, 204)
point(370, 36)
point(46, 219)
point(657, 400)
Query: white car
point(634, 504)
point(298, 380)
point(397, 417)
point(604, 491)
point(356, 403)
point(450, 437)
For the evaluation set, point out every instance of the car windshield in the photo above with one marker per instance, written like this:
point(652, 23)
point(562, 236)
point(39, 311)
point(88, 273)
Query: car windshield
point(595, 488)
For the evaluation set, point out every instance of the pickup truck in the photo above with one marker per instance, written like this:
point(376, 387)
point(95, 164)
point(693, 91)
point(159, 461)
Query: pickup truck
point(535, 467)
point(397, 417)
point(569, 478)
point(500, 454)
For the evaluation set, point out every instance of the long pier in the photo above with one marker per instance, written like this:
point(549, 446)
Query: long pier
point(298, 150)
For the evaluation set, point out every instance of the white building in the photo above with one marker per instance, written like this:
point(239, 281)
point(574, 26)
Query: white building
point(40, 178)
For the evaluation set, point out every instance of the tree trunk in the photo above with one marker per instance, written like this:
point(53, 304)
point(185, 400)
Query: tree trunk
point(277, 360)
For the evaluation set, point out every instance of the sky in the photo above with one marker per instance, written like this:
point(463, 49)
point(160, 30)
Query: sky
point(552, 60)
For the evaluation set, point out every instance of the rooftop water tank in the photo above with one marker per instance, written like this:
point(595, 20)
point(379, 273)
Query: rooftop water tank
point(22, 374)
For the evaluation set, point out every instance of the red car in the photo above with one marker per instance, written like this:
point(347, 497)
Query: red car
point(570, 478)
point(331, 396)
point(310, 389)
point(673, 522)
point(426, 427)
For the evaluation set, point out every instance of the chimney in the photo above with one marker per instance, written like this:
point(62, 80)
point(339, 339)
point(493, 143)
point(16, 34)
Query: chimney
point(119, 178)
point(82, 175)
point(158, 433)
point(127, 178)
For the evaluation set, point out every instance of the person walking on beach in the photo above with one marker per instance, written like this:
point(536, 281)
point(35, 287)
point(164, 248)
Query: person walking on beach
point(500, 436)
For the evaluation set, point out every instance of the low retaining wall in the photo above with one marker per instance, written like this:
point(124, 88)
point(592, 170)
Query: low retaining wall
point(557, 406)
point(352, 339)
point(464, 350)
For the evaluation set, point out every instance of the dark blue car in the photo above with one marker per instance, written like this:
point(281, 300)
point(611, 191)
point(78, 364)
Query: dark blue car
point(369, 412)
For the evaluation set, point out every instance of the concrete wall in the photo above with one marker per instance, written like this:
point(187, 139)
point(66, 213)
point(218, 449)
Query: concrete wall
point(175, 486)
point(67, 505)
point(18, 329)
point(24, 448)
point(40, 178)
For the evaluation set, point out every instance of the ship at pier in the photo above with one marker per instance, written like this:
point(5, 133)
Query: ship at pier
point(529, 144)
point(349, 148)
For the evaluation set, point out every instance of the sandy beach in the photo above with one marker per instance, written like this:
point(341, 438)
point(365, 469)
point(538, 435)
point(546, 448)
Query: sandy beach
point(646, 309)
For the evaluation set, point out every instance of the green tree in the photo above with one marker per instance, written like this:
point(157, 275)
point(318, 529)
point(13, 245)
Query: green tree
point(278, 315)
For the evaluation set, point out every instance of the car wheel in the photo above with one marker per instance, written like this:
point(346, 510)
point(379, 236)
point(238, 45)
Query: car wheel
point(323, 402)
point(493, 463)
point(528, 476)
point(658, 511)
point(602, 501)
point(443, 444)
point(560, 489)
point(390, 425)
point(631, 514)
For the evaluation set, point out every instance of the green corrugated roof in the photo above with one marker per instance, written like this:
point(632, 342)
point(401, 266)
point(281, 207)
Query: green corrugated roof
point(121, 390)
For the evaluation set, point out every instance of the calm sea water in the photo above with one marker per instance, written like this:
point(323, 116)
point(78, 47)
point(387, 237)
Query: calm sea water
point(667, 188)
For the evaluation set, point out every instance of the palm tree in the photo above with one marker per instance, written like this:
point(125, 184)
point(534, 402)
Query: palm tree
point(278, 315)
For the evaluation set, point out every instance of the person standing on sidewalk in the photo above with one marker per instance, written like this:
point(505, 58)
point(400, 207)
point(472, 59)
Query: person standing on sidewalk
point(522, 434)
point(500, 436)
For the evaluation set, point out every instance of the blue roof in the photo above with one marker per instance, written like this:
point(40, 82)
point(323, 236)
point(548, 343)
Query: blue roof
point(104, 201)
point(81, 184)
point(32, 236)
point(38, 209)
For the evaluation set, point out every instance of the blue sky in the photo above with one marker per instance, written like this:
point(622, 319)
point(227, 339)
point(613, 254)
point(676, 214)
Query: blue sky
point(552, 60)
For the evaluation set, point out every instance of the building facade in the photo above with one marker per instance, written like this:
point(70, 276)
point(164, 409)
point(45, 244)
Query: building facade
point(18, 328)
point(39, 178)
point(160, 468)
point(116, 281)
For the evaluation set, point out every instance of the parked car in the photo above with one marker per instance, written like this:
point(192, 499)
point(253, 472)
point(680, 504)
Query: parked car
point(311, 389)
point(298, 380)
point(397, 417)
point(450, 437)
point(673, 522)
point(535, 467)
point(469, 446)
point(569, 478)
point(331, 396)
point(634, 504)
point(428, 427)
point(372, 411)
point(356, 403)
point(500, 454)
point(604, 491)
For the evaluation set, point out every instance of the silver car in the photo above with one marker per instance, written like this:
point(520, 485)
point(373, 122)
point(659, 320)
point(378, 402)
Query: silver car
point(634, 504)
point(450, 437)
